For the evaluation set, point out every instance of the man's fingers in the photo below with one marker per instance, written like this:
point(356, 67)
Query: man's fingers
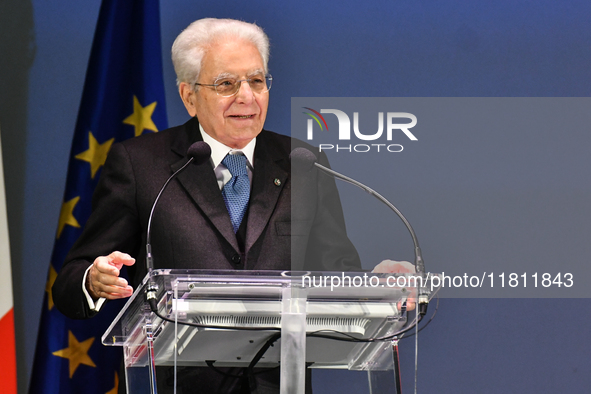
point(107, 278)
point(112, 263)
point(103, 278)
point(108, 286)
point(103, 265)
point(410, 305)
point(113, 292)
point(393, 267)
point(119, 259)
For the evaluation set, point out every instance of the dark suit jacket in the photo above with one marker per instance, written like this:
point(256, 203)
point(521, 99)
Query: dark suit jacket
point(294, 221)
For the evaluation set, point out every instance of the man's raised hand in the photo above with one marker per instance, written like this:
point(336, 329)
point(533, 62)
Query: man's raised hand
point(103, 279)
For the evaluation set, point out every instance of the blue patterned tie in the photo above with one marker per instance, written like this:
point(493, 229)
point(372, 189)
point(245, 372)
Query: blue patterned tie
point(236, 191)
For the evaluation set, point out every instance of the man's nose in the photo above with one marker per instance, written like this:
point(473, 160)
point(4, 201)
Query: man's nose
point(245, 93)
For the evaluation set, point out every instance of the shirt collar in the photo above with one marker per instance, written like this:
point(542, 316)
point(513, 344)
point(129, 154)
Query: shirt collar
point(219, 150)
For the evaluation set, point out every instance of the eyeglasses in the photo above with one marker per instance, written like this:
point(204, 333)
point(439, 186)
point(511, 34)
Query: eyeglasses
point(227, 87)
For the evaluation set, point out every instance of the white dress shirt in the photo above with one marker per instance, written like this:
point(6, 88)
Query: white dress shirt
point(219, 151)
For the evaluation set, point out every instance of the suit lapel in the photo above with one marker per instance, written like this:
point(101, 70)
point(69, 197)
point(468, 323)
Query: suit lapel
point(268, 181)
point(200, 183)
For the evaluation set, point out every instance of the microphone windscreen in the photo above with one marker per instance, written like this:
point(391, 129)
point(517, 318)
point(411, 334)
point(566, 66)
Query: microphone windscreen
point(302, 159)
point(200, 152)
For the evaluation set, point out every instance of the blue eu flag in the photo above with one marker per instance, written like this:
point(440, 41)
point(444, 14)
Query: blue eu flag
point(123, 97)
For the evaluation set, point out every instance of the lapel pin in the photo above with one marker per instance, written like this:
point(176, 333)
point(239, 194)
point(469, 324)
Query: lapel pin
point(277, 182)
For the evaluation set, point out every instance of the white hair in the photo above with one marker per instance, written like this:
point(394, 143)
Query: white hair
point(190, 46)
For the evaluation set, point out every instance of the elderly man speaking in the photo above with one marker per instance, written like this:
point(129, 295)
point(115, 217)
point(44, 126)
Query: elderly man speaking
point(233, 211)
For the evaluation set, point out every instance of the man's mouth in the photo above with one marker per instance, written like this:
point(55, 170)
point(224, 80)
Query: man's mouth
point(241, 116)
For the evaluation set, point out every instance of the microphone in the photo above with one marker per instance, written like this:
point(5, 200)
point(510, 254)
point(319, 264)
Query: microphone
point(303, 159)
point(198, 153)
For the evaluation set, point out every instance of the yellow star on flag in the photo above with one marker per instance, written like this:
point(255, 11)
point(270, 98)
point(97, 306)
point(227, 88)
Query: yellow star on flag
point(96, 154)
point(142, 117)
point(76, 353)
point(67, 216)
point(50, 279)
point(114, 390)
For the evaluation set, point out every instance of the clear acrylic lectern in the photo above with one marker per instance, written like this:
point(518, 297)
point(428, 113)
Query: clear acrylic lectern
point(300, 310)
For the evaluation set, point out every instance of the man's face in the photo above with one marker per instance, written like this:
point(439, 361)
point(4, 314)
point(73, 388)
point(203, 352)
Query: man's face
point(234, 121)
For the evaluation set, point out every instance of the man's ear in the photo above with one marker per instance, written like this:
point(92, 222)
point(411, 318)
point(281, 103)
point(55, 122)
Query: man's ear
point(188, 96)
